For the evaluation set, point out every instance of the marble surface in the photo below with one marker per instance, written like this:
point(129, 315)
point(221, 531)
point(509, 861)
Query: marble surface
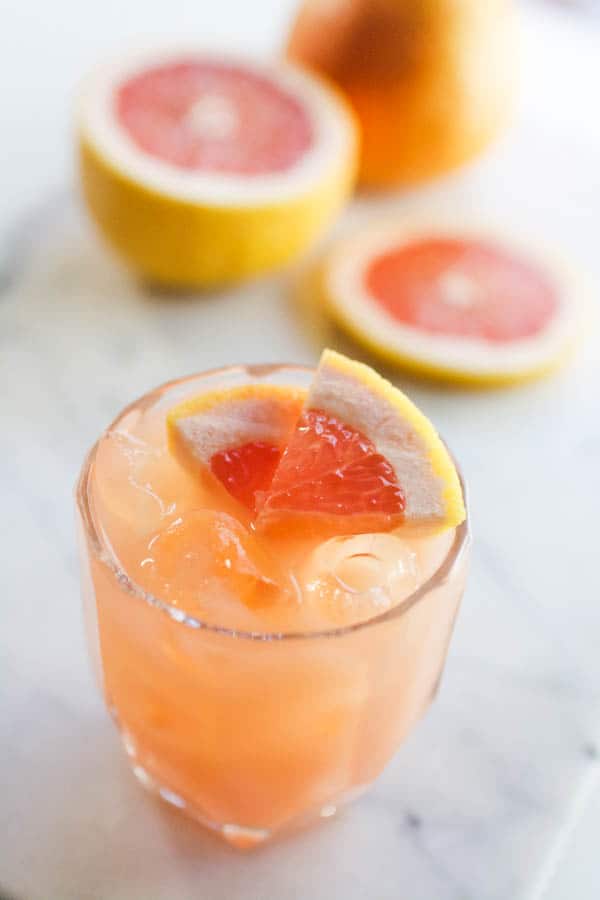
point(495, 795)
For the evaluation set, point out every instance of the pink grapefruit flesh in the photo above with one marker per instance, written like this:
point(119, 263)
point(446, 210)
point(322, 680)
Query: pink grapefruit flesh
point(352, 455)
point(361, 458)
point(246, 470)
point(457, 287)
point(214, 117)
point(332, 469)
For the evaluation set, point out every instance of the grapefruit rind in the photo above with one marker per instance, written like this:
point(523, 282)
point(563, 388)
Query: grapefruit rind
point(202, 426)
point(358, 397)
point(183, 230)
point(421, 457)
point(338, 279)
point(366, 403)
point(211, 400)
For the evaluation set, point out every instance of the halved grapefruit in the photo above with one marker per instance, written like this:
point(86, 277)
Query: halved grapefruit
point(238, 434)
point(362, 458)
point(353, 456)
point(202, 169)
point(461, 303)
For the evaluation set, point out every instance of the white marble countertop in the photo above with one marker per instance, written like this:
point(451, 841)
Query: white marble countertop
point(495, 796)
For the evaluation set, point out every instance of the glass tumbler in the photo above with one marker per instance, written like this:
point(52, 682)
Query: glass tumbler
point(251, 732)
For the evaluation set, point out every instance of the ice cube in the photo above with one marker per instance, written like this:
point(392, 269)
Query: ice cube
point(208, 565)
point(350, 579)
point(431, 551)
point(138, 488)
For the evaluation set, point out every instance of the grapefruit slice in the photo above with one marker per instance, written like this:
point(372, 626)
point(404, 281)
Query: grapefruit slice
point(362, 458)
point(203, 170)
point(237, 434)
point(458, 303)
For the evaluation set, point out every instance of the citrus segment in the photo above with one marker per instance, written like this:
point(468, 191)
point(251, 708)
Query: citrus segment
point(333, 469)
point(455, 302)
point(246, 470)
point(371, 461)
point(236, 433)
point(203, 170)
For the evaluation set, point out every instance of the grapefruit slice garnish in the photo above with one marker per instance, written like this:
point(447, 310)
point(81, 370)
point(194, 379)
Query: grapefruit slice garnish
point(362, 458)
point(246, 469)
point(333, 468)
point(204, 169)
point(454, 302)
point(236, 434)
point(353, 455)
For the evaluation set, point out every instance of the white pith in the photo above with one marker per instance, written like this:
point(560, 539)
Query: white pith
point(230, 425)
point(332, 145)
point(348, 295)
point(353, 403)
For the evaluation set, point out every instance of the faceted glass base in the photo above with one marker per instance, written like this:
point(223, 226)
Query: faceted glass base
point(242, 837)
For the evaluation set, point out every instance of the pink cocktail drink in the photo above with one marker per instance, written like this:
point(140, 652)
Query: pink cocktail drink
point(257, 677)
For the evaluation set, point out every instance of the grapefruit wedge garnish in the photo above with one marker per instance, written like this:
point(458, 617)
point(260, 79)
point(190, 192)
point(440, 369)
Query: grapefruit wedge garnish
point(236, 434)
point(354, 455)
point(204, 169)
point(362, 458)
point(454, 302)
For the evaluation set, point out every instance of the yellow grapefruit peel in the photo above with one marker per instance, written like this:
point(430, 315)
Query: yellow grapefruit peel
point(364, 324)
point(225, 418)
point(180, 235)
point(437, 454)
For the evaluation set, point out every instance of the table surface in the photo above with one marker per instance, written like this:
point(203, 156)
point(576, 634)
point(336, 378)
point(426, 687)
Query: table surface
point(494, 797)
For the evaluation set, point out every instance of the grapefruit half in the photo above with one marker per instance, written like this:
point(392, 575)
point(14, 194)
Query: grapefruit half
point(462, 303)
point(202, 169)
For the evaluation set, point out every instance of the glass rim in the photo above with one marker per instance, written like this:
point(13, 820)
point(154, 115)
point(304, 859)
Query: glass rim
point(105, 555)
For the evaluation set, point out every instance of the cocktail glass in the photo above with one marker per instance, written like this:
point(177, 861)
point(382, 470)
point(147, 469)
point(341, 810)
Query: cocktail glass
point(250, 732)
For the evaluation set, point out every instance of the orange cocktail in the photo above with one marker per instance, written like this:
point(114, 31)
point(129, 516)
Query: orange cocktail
point(257, 677)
